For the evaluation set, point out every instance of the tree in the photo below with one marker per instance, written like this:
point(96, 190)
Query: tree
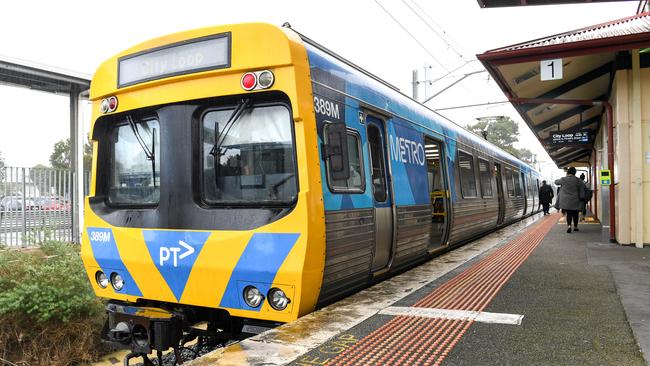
point(2, 168)
point(40, 175)
point(503, 132)
point(60, 157)
point(2, 172)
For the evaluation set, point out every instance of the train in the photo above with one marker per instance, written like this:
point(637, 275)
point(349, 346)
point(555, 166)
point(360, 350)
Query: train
point(245, 175)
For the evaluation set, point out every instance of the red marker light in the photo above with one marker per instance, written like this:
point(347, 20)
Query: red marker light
point(249, 81)
point(112, 104)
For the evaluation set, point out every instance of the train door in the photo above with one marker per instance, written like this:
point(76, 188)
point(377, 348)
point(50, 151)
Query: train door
point(524, 191)
point(438, 191)
point(381, 193)
point(502, 201)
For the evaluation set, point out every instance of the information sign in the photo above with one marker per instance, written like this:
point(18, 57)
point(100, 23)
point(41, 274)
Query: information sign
point(185, 57)
point(579, 137)
point(551, 69)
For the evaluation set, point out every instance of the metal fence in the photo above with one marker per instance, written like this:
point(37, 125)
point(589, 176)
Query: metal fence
point(36, 205)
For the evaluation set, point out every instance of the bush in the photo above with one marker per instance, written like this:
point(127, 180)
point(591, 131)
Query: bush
point(48, 312)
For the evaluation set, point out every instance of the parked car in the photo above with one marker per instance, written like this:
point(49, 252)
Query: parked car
point(15, 203)
point(48, 203)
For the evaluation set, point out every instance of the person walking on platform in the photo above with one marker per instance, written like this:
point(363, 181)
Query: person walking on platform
point(546, 197)
point(572, 191)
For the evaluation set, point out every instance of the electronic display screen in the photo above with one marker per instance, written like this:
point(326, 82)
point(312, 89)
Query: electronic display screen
point(581, 137)
point(201, 54)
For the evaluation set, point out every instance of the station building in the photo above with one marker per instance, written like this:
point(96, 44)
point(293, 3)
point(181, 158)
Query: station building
point(585, 94)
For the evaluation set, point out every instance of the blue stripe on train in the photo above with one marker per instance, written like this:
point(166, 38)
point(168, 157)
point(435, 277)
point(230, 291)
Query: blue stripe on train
point(257, 266)
point(104, 248)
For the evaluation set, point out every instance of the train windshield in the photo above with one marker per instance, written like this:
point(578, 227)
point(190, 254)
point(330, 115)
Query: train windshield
point(248, 158)
point(135, 172)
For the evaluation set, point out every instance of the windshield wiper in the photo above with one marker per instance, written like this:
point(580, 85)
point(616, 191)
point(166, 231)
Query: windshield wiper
point(220, 138)
point(150, 154)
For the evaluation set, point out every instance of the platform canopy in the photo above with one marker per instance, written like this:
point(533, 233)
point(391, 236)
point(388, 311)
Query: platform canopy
point(578, 65)
point(504, 3)
point(44, 78)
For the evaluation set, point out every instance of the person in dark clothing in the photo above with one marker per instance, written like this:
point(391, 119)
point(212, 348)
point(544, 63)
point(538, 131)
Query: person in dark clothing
point(585, 200)
point(570, 197)
point(546, 197)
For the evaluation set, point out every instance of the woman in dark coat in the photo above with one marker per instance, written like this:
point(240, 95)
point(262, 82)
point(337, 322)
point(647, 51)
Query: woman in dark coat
point(571, 200)
point(545, 196)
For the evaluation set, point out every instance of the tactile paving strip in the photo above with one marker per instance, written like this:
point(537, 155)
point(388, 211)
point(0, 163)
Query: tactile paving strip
point(413, 340)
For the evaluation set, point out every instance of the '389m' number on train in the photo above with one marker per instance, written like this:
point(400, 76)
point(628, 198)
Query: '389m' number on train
point(326, 108)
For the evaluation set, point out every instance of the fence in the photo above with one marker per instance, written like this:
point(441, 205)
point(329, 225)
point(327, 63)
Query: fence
point(36, 205)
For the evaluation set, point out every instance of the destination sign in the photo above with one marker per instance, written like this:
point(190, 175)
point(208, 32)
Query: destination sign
point(580, 137)
point(185, 57)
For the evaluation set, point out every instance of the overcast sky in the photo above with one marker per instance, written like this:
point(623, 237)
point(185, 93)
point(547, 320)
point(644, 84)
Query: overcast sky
point(81, 34)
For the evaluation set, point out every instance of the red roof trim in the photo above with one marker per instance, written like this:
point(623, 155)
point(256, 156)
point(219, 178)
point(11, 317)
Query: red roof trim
point(564, 34)
point(603, 45)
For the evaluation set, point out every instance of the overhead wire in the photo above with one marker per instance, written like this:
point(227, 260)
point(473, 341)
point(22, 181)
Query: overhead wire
point(433, 30)
point(449, 45)
point(411, 35)
point(435, 23)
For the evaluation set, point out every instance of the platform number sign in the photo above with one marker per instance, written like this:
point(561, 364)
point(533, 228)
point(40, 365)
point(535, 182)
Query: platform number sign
point(605, 178)
point(551, 69)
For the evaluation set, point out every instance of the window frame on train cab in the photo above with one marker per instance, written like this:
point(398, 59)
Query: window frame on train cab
point(510, 186)
point(350, 132)
point(460, 174)
point(254, 104)
point(112, 162)
point(489, 178)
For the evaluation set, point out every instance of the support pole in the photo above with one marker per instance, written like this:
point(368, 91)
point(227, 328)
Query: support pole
point(76, 160)
point(415, 85)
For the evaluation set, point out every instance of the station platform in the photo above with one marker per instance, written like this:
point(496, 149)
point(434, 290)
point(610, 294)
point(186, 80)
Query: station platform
point(527, 294)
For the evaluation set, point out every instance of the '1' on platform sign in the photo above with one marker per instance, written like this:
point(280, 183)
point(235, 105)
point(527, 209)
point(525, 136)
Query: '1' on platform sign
point(551, 69)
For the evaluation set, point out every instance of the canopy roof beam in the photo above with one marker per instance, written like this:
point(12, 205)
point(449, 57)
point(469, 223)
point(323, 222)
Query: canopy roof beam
point(574, 83)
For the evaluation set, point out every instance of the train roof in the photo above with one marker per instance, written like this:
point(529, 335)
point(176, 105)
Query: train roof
point(387, 89)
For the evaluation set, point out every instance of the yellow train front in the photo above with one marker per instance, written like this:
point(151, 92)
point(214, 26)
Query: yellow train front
point(203, 205)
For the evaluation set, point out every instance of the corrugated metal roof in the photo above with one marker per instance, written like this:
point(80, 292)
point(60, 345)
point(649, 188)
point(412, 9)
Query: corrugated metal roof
point(617, 28)
point(503, 3)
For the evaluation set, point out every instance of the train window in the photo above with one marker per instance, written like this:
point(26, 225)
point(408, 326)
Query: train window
point(485, 177)
point(252, 159)
point(467, 175)
point(509, 185)
point(377, 163)
point(356, 182)
point(135, 169)
point(517, 182)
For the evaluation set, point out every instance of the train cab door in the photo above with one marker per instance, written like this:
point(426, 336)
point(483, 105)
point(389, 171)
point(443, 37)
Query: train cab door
point(438, 191)
point(524, 191)
point(381, 193)
point(500, 194)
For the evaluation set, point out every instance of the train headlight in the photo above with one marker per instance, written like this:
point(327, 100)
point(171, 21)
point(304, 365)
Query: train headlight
point(102, 279)
point(278, 299)
point(108, 104)
point(265, 79)
point(103, 107)
point(252, 296)
point(117, 281)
